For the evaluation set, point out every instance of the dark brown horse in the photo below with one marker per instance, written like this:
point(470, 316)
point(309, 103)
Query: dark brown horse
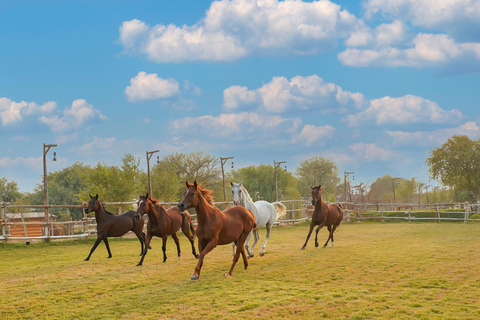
point(217, 227)
point(163, 223)
point(110, 225)
point(330, 215)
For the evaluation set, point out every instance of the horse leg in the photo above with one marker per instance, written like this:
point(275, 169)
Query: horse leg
point(148, 238)
point(204, 250)
point(141, 238)
point(240, 250)
point(308, 236)
point(175, 238)
point(246, 243)
point(255, 239)
point(333, 230)
point(316, 233)
point(108, 247)
point(164, 247)
point(330, 235)
point(95, 245)
point(143, 233)
point(186, 231)
point(262, 250)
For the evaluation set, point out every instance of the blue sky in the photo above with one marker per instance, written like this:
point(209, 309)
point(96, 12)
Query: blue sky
point(373, 85)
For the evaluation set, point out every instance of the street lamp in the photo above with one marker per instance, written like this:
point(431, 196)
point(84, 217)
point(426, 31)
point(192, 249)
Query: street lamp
point(276, 165)
point(149, 155)
point(345, 175)
point(223, 161)
point(314, 178)
point(46, 148)
point(393, 185)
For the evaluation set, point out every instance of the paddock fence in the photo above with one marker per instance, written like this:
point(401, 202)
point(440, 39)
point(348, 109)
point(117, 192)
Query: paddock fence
point(28, 222)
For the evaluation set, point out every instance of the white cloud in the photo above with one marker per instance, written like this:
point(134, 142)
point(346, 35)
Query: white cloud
point(426, 50)
point(30, 162)
point(99, 144)
point(371, 152)
point(386, 34)
point(150, 87)
point(12, 112)
point(304, 93)
point(436, 137)
point(237, 28)
point(79, 114)
point(434, 14)
point(404, 110)
point(311, 134)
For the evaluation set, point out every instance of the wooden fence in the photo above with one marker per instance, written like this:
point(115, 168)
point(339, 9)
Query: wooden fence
point(297, 211)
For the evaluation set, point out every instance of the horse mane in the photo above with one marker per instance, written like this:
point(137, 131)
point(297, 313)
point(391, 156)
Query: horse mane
point(246, 192)
point(207, 194)
point(105, 209)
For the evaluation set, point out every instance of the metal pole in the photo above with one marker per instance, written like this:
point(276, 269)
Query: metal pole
point(276, 165)
point(149, 156)
point(223, 161)
point(46, 148)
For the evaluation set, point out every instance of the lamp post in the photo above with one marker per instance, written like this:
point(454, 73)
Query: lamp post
point(46, 148)
point(393, 186)
point(276, 165)
point(314, 177)
point(345, 175)
point(223, 161)
point(149, 155)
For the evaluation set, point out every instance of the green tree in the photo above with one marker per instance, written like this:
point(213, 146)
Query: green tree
point(9, 191)
point(317, 171)
point(457, 163)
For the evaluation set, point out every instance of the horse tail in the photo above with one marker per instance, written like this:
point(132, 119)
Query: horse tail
point(280, 208)
point(187, 218)
point(253, 216)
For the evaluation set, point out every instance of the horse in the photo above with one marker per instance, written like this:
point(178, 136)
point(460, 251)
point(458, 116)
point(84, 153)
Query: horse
point(265, 214)
point(330, 215)
point(163, 223)
point(216, 227)
point(110, 225)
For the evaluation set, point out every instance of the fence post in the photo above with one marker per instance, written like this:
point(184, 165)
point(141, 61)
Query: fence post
point(467, 209)
point(4, 220)
point(409, 210)
point(438, 213)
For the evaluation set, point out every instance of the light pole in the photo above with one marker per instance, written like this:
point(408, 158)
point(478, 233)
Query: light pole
point(345, 175)
point(223, 161)
point(276, 165)
point(393, 185)
point(46, 148)
point(314, 177)
point(149, 155)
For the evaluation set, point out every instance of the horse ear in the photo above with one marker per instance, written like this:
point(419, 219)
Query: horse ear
point(96, 196)
point(195, 184)
point(146, 195)
point(187, 184)
point(90, 196)
point(231, 183)
point(241, 182)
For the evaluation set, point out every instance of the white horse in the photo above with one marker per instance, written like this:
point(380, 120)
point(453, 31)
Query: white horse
point(265, 213)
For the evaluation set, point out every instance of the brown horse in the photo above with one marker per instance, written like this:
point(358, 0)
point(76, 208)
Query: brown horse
point(330, 215)
point(110, 225)
point(163, 223)
point(217, 227)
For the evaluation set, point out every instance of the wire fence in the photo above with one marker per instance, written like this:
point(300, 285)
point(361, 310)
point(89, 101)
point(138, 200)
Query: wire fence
point(27, 223)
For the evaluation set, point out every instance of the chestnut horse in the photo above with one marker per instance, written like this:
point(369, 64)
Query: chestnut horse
point(163, 223)
point(330, 215)
point(217, 227)
point(110, 225)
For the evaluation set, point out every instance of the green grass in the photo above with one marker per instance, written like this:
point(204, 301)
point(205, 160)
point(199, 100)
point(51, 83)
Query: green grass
point(374, 271)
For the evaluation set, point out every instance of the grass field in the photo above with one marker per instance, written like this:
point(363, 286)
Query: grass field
point(374, 271)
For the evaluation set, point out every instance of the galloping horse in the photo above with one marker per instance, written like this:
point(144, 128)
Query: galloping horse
point(265, 214)
point(217, 227)
point(163, 223)
point(110, 225)
point(330, 215)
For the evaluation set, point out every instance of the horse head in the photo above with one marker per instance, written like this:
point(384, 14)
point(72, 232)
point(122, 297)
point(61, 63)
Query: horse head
point(143, 206)
point(237, 192)
point(316, 193)
point(190, 197)
point(92, 204)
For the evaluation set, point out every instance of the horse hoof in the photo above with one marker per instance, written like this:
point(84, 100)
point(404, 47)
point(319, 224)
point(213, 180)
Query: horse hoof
point(194, 277)
point(262, 254)
point(324, 247)
point(316, 245)
point(139, 265)
point(196, 256)
point(227, 274)
point(302, 248)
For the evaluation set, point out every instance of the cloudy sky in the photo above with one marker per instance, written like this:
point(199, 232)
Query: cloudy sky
point(373, 85)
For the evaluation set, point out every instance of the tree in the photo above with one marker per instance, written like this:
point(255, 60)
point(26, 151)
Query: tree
point(324, 171)
point(261, 179)
point(457, 163)
point(9, 191)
